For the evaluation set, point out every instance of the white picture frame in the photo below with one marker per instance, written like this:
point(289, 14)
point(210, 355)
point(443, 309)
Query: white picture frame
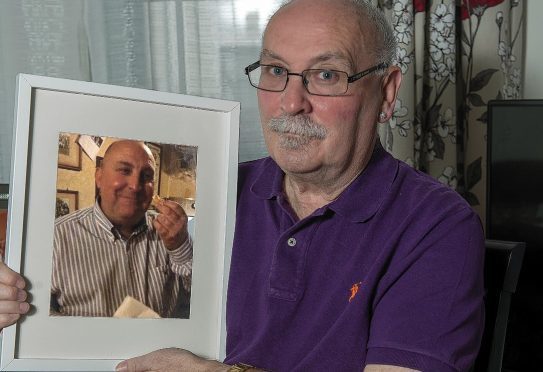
point(46, 106)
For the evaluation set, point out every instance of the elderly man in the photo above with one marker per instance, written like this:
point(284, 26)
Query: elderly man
point(344, 259)
point(115, 249)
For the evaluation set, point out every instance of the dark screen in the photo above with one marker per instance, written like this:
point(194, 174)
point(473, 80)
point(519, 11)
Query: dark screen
point(515, 213)
point(515, 189)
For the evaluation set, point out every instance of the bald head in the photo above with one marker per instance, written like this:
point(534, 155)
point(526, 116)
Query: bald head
point(372, 28)
point(121, 145)
point(125, 181)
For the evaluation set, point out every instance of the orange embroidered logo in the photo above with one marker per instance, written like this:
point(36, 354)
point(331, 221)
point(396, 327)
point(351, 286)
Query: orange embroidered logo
point(354, 290)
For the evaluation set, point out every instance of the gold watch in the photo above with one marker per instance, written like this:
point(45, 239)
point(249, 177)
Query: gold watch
point(240, 367)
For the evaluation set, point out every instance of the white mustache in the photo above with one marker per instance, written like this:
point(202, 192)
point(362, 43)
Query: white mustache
point(299, 125)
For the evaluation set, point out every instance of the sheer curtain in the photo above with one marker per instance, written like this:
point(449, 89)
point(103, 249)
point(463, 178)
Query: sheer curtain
point(191, 47)
point(39, 37)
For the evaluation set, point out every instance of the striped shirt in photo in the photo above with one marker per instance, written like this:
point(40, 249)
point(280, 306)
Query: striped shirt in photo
point(94, 268)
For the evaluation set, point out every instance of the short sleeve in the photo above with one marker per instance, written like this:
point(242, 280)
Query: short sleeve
point(429, 309)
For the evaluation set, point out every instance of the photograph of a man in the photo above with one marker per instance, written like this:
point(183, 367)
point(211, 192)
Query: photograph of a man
point(116, 248)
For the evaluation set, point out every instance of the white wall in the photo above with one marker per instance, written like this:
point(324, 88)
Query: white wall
point(533, 72)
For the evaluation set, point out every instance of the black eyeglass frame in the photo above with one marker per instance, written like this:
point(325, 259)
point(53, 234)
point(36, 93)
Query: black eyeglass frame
point(350, 79)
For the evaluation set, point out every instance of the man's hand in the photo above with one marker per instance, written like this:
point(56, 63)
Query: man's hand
point(171, 224)
point(170, 360)
point(12, 296)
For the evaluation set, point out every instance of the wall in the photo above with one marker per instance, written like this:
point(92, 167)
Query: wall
point(81, 181)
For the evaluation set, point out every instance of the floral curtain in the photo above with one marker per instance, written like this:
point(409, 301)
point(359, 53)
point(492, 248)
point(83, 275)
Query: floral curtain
point(455, 57)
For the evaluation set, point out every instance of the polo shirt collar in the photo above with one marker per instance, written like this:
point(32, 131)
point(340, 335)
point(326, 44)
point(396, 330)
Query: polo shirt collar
point(358, 202)
point(269, 181)
point(362, 199)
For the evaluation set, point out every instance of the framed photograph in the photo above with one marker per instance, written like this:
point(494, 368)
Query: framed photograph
point(49, 106)
point(69, 152)
point(66, 202)
point(126, 183)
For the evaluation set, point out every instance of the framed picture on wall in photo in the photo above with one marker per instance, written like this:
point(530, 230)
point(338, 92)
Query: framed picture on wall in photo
point(69, 152)
point(66, 202)
point(49, 106)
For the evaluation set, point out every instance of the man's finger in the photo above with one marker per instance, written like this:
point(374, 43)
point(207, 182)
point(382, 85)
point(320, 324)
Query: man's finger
point(137, 364)
point(10, 277)
point(8, 292)
point(171, 208)
point(8, 319)
point(14, 307)
point(173, 224)
point(172, 237)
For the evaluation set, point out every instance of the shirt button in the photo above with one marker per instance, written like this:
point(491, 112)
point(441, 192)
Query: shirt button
point(291, 242)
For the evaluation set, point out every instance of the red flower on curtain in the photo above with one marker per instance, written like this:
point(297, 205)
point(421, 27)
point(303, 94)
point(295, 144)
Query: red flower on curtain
point(477, 7)
point(419, 5)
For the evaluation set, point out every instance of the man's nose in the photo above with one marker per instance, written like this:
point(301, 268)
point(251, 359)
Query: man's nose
point(294, 99)
point(135, 182)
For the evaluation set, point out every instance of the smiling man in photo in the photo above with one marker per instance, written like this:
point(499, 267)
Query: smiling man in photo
point(115, 249)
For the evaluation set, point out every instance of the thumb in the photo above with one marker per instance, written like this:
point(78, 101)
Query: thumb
point(137, 364)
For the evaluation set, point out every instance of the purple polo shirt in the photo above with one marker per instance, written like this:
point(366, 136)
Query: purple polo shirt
point(391, 272)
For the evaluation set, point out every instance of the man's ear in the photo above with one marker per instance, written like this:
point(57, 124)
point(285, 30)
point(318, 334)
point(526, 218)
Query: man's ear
point(98, 177)
point(390, 85)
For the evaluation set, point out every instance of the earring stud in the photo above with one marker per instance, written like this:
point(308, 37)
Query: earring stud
point(382, 116)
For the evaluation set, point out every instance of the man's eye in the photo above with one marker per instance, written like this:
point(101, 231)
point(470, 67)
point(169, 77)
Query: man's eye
point(124, 171)
point(275, 70)
point(278, 71)
point(328, 75)
point(148, 177)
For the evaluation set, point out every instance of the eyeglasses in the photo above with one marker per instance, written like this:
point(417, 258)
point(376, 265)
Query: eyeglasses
point(319, 82)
